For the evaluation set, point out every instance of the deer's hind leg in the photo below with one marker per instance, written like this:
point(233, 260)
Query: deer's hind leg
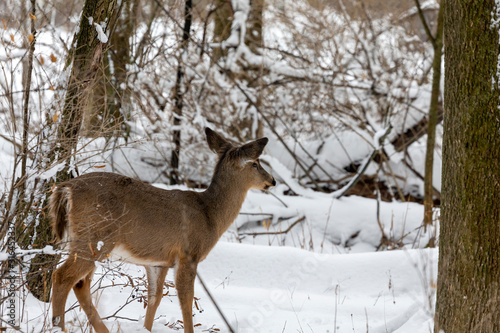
point(156, 278)
point(82, 292)
point(184, 282)
point(64, 278)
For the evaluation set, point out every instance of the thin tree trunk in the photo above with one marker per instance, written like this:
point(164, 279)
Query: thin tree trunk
point(26, 100)
point(433, 120)
point(468, 295)
point(253, 36)
point(38, 277)
point(222, 25)
point(121, 58)
point(179, 95)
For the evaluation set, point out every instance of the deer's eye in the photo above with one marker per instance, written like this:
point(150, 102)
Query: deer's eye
point(255, 165)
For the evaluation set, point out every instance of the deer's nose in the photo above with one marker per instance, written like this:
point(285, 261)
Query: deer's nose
point(274, 182)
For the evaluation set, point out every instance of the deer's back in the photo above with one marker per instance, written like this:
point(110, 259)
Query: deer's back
point(125, 214)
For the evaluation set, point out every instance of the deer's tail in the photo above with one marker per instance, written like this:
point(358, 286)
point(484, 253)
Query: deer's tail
point(59, 208)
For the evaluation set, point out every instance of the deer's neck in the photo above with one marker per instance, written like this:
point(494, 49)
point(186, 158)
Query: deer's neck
point(224, 198)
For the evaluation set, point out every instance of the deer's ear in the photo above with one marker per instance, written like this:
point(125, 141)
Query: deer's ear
point(216, 142)
point(252, 150)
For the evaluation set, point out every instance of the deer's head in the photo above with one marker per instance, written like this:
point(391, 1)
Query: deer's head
point(240, 161)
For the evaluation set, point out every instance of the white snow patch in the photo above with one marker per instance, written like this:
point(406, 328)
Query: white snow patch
point(101, 35)
point(495, 24)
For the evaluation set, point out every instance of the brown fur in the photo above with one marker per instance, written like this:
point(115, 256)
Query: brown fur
point(158, 228)
point(58, 204)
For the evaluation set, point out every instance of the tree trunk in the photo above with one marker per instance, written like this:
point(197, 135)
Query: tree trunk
point(121, 58)
point(86, 57)
point(109, 100)
point(468, 297)
point(179, 95)
point(433, 120)
point(222, 25)
point(253, 36)
point(246, 127)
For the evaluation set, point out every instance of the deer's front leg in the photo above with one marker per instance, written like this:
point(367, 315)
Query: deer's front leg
point(156, 278)
point(184, 282)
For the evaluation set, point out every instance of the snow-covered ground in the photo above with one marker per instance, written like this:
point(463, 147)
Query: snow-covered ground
point(295, 260)
point(275, 289)
point(323, 275)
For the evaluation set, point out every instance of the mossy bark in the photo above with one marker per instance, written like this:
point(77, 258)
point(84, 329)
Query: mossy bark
point(468, 297)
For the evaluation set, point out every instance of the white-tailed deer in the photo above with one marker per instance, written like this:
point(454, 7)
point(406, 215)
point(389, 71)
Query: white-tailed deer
point(99, 215)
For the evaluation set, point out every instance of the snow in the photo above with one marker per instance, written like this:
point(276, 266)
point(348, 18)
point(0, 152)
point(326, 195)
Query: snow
point(495, 24)
point(325, 275)
point(51, 172)
point(101, 35)
point(271, 289)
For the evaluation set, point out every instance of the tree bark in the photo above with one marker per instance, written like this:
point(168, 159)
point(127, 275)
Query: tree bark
point(468, 296)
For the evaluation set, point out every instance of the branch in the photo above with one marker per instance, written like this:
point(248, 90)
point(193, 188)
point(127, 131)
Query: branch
point(341, 192)
point(231, 330)
point(414, 133)
point(424, 23)
point(274, 232)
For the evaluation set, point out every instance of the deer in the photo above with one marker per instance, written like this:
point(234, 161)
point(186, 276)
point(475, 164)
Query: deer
point(103, 215)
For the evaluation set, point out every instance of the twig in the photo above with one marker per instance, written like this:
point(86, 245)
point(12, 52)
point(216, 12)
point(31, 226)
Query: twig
point(16, 328)
point(120, 308)
point(275, 232)
point(274, 195)
point(231, 330)
point(339, 193)
point(424, 23)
